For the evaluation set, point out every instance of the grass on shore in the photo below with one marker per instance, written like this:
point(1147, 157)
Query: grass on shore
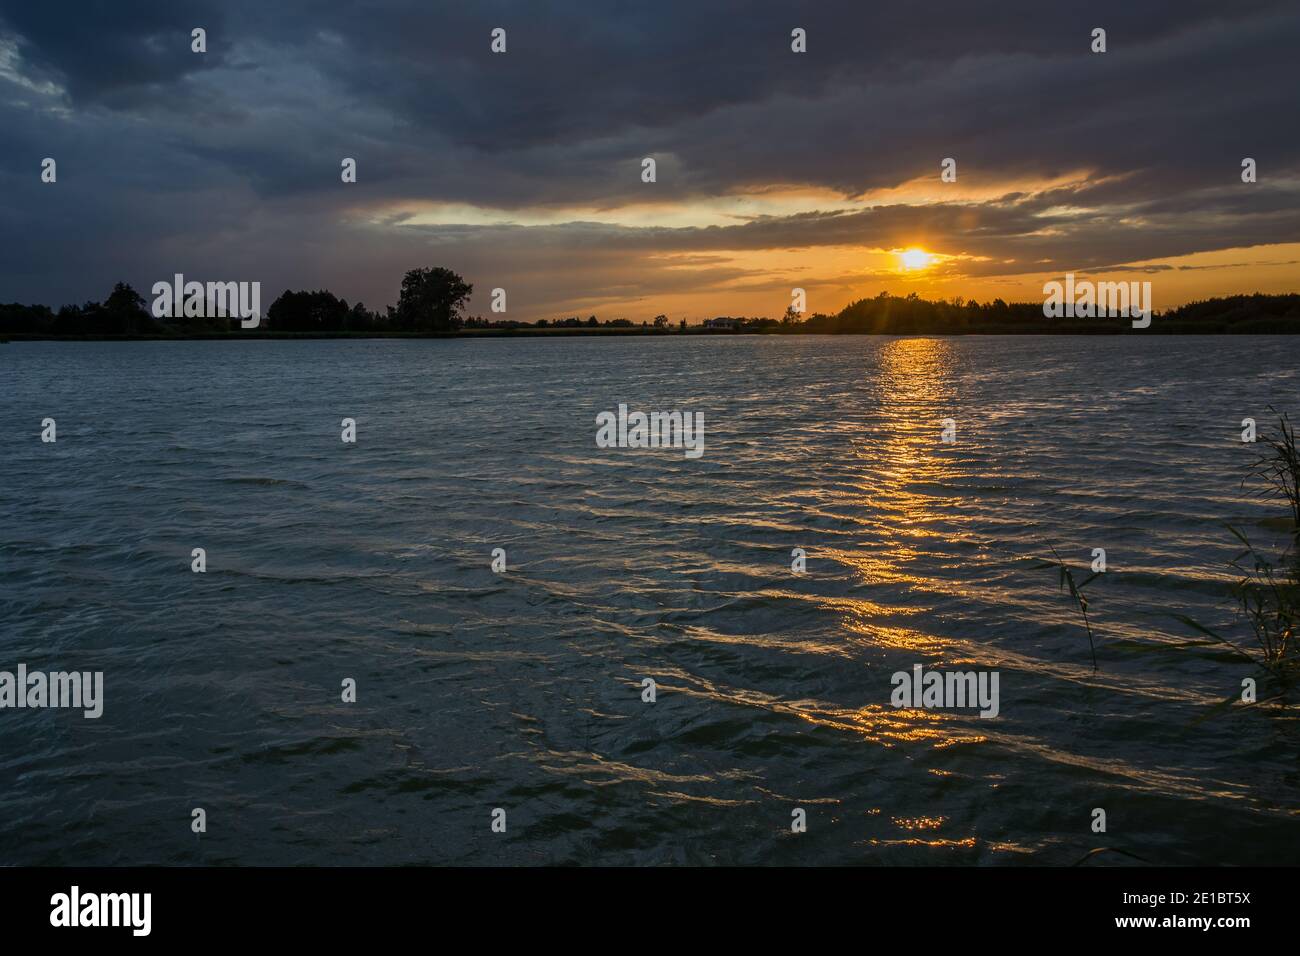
point(1267, 588)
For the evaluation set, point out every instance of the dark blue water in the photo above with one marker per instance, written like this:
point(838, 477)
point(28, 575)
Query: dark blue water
point(522, 691)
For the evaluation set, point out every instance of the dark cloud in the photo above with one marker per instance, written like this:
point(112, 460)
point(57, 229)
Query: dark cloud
point(114, 53)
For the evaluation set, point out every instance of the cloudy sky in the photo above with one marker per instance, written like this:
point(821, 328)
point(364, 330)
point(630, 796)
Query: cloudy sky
point(775, 169)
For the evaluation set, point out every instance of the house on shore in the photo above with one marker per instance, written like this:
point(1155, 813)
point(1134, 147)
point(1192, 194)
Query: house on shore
point(722, 323)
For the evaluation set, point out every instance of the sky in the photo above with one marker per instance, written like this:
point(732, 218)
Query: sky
point(775, 170)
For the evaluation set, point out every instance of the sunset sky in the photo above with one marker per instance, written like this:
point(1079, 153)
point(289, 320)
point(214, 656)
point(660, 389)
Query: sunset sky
point(523, 170)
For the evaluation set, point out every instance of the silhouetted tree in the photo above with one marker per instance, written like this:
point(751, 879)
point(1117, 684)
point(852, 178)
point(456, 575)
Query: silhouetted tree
point(431, 300)
point(360, 319)
point(73, 320)
point(26, 319)
point(124, 313)
point(308, 312)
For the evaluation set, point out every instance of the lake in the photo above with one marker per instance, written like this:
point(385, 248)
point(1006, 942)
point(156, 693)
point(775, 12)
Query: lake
point(475, 690)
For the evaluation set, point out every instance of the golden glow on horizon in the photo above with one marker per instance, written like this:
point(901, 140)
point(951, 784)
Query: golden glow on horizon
point(836, 275)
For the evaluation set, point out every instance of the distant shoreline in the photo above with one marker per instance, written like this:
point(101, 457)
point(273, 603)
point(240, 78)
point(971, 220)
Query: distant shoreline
point(253, 334)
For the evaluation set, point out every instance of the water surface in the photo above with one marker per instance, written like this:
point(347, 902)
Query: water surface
point(523, 691)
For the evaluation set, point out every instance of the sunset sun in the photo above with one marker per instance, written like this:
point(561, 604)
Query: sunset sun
point(913, 259)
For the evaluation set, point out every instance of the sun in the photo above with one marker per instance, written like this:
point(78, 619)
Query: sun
point(915, 259)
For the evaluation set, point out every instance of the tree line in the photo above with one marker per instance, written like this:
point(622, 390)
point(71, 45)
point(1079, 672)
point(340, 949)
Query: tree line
point(432, 301)
point(429, 301)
